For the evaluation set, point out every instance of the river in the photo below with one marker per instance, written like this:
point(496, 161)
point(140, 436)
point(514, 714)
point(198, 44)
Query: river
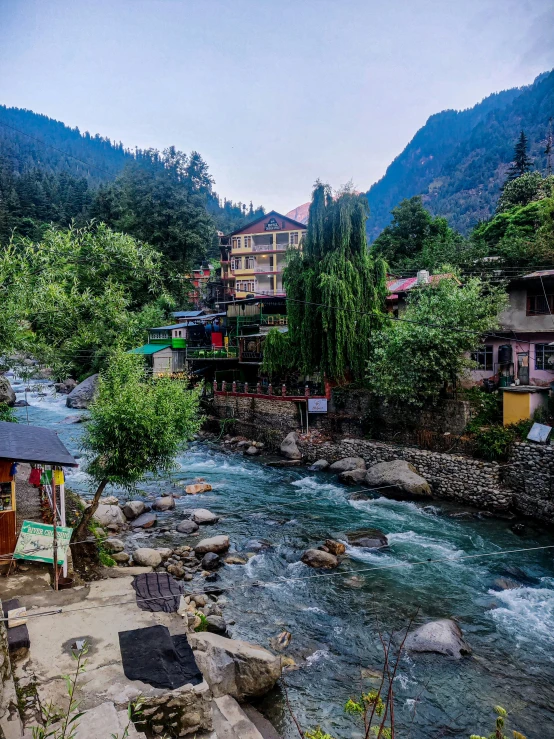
point(335, 622)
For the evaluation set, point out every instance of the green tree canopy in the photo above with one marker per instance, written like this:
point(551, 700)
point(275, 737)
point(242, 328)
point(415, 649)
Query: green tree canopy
point(417, 240)
point(523, 190)
point(335, 288)
point(415, 356)
point(138, 424)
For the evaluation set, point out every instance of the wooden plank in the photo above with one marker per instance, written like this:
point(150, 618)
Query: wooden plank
point(8, 533)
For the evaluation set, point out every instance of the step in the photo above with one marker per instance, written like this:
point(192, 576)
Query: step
point(230, 721)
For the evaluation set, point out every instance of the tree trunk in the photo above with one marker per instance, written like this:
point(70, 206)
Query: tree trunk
point(80, 532)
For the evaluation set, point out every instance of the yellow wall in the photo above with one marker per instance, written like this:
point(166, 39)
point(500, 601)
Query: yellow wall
point(516, 407)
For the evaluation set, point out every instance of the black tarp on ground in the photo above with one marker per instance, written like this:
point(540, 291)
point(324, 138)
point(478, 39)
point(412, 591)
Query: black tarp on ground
point(153, 656)
point(157, 591)
point(18, 637)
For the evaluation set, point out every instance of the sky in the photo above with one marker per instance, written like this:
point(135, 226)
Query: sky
point(273, 93)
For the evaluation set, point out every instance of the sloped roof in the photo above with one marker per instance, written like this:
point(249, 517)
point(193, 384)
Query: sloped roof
point(187, 313)
point(149, 348)
point(272, 213)
point(542, 273)
point(403, 284)
point(22, 443)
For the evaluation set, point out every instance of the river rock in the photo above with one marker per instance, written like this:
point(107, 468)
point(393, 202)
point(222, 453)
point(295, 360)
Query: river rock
point(443, 636)
point(177, 571)
point(65, 387)
point(7, 394)
point(113, 546)
point(252, 451)
point(166, 503)
point(236, 559)
point(110, 516)
point(145, 557)
point(215, 544)
point(133, 508)
point(368, 538)
point(347, 464)
point(122, 558)
point(399, 476)
point(319, 559)
point(197, 488)
point(256, 545)
point(187, 527)
point(216, 625)
point(321, 464)
point(289, 448)
point(144, 521)
point(504, 583)
point(82, 395)
point(353, 477)
point(24, 404)
point(210, 561)
point(335, 547)
point(164, 552)
point(232, 667)
point(360, 495)
point(203, 516)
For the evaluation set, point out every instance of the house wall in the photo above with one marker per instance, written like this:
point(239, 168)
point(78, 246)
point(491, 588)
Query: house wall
point(525, 342)
point(515, 317)
point(161, 361)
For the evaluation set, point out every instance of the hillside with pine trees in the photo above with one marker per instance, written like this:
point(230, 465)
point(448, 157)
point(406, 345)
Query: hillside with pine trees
point(459, 160)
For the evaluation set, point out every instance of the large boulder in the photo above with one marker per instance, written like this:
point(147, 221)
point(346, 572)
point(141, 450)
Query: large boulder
point(443, 636)
point(203, 516)
point(110, 516)
point(319, 559)
point(113, 546)
point(216, 544)
point(353, 477)
point(145, 557)
point(133, 508)
point(144, 521)
point(198, 488)
point(368, 538)
point(321, 464)
point(7, 394)
point(398, 476)
point(235, 668)
point(347, 464)
point(210, 561)
point(82, 395)
point(335, 547)
point(289, 449)
point(166, 503)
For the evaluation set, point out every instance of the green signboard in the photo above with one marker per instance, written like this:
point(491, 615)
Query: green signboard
point(36, 542)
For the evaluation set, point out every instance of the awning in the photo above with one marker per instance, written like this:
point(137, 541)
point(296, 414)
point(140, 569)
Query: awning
point(21, 443)
point(149, 349)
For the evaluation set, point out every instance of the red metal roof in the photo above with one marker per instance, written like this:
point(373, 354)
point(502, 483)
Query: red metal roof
point(403, 284)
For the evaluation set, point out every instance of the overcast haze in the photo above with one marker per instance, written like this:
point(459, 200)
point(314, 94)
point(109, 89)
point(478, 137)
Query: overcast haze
point(272, 93)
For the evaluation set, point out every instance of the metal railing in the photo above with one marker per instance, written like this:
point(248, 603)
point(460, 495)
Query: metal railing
point(211, 352)
point(290, 392)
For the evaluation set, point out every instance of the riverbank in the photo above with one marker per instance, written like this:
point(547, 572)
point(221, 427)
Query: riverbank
point(334, 619)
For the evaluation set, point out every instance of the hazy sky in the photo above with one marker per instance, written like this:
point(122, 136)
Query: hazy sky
point(273, 93)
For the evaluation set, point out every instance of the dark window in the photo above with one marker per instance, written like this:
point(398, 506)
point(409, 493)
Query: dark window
point(544, 357)
point(539, 305)
point(483, 357)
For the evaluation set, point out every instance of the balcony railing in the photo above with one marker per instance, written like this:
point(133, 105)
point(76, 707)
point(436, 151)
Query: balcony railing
point(211, 352)
point(277, 392)
point(269, 247)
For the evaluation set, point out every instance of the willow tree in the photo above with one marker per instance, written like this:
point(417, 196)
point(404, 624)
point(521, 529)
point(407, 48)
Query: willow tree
point(335, 288)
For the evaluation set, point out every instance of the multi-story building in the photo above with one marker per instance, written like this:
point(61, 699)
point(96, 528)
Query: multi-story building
point(253, 258)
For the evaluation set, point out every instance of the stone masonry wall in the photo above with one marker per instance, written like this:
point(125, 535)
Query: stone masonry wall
point(530, 476)
point(461, 479)
point(266, 420)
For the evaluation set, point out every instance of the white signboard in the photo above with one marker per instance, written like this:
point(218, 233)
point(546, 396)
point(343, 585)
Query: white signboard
point(317, 405)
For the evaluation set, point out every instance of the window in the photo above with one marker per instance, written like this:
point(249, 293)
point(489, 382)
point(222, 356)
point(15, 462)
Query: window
point(483, 357)
point(249, 263)
point(236, 263)
point(236, 242)
point(245, 286)
point(293, 238)
point(544, 357)
point(539, 305)
point(248, 242)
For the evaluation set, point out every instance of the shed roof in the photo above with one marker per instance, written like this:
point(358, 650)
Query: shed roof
point(403, 284)
point(187, 313)
point(541, 273)
point(21, 443)
point(149, 348)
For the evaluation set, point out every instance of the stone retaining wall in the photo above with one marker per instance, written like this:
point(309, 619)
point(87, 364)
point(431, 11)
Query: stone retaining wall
point(530, 476)
point(453, 477)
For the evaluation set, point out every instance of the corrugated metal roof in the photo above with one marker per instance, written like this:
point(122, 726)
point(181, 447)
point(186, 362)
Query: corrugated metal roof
point(21, 443)
point(542, 273)
point(149, 349)
point(403, 284)
point(187, 313)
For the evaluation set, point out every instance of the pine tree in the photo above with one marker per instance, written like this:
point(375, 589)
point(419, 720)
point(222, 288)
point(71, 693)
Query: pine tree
point(522, 161)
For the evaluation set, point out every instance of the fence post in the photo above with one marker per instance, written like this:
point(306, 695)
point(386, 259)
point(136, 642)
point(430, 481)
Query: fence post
point(306, 391)
point(234, 386)
point(259, 388)
point(283, 390)
point(270, 389)
point(215, 386)
point(223, 386)
point(246, 388)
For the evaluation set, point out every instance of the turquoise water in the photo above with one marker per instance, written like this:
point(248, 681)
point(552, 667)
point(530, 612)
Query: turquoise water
point(336, 626)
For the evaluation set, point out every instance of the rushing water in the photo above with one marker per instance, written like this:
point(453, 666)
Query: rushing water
point(336, 622)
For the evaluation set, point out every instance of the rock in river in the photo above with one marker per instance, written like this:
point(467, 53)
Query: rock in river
point(165, 503)
point(398, 476)
point(321, 464)
point(335, 547)
point(82, 395)
point(203, 516)
point(113, 546)
point(7, 394)
point(198, 488)
point(110, 516)
point(145, 557)
point(187, 527)
point(210, 561)
point(368, 538)
point(216, 625)
point(443, 636)
point(353, 477)
point(319, 559)
point(215, 544)
point(145, 521)
point(347, 464)
point(234, 668)
point(289, 449)
point(133, 508)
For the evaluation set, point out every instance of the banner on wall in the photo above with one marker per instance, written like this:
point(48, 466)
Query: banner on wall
point(36, 542)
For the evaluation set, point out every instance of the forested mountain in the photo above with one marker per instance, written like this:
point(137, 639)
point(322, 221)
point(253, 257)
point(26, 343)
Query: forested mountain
point(50, 173)
point(459, 159)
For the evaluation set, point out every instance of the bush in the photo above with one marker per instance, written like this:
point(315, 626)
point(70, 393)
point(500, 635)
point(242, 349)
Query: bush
point(494, 442)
